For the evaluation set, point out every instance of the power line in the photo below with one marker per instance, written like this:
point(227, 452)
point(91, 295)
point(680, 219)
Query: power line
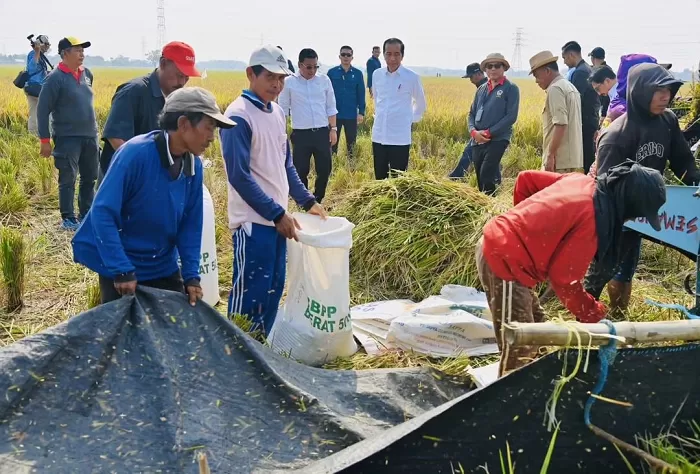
point(161, 24)
point(517, 53)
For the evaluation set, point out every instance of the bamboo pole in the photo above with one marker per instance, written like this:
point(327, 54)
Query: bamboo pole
point(555, 334)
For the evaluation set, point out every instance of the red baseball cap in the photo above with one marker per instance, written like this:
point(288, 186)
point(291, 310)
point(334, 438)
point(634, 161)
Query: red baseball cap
point(182, 55)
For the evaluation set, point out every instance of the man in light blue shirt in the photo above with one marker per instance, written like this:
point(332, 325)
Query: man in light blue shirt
point(37, 70)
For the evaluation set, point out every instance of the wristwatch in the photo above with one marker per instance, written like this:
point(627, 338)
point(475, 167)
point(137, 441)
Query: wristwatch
point(334, 128)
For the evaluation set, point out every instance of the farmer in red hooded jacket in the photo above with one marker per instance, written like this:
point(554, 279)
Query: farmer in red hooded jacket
point(560, 223)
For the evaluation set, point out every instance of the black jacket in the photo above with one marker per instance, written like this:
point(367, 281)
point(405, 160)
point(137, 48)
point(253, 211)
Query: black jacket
point(650, 140)
point(590, 102)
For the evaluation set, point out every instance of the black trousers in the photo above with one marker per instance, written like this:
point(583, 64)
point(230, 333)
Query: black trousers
point(350, 126)
point(173, 283)
point(588, 147)
point(487, 162)
point(313, 142)
point(75, 156)
point(388, 158)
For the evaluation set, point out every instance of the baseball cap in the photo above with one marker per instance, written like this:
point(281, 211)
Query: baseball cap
point(271, 58)
point(196, 99)
point(472, 69)
point(43, 39)
point(598, 53)
point(182, 55)
point(666, 65)
point(71, 41)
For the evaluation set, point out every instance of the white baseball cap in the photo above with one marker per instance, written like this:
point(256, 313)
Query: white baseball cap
point(271, 58)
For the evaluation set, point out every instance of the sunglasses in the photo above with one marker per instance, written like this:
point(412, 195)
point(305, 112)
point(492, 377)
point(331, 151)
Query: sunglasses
point(346, 55)
point(493, 66)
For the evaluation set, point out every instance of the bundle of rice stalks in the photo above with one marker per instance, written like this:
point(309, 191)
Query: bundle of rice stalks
point(414, 234)
point(13, 262)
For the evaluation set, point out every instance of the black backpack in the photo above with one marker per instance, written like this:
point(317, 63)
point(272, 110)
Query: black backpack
point(23, 76)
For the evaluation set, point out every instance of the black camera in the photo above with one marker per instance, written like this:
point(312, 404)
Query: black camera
point(31, 40)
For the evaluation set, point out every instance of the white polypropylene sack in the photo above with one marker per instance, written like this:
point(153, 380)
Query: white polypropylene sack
point(208, 265)
point(314, 326)
point(458, 322)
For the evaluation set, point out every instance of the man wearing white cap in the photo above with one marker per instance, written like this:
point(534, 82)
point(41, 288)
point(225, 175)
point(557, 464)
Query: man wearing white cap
point(261, 178)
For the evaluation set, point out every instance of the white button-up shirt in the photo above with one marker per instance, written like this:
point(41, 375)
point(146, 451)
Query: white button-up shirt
point(310, 101)
point(399, 101)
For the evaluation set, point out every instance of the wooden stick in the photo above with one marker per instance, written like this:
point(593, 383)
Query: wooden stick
point(656, 463)
point(203, 464)
point(554, 334)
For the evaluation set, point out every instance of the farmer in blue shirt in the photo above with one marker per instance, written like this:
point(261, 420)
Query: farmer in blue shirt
point(149, 209)
point(373, 64)
point(37, 69)
point(349, 88)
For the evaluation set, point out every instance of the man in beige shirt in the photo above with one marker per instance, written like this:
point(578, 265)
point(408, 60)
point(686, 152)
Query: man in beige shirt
point(562, 150)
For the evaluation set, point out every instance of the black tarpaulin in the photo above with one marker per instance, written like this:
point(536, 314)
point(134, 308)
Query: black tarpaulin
point(466, 434)
point(145, 383)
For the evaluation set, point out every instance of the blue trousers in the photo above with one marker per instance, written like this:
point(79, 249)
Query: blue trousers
point(259, 268)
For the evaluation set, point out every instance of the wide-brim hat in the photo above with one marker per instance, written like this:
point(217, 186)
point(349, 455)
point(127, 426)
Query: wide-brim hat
point(495, 58)
point(542, 59)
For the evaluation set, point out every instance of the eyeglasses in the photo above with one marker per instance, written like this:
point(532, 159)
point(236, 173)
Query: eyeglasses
point(346, 55)
point(309, 67)
point(493, 66)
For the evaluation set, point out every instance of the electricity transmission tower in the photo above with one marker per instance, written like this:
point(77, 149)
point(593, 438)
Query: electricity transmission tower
point(517, 60)
point(161, 24)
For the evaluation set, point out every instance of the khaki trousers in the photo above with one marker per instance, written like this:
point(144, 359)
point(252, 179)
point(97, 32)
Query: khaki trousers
point(32, 122)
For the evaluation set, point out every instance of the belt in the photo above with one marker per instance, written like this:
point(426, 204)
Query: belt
point(311, 129)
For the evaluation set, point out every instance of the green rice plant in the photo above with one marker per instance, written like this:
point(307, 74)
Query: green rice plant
point(682, 452)
point(93, 295)
point(13, 198)
point(13, 264)
point(43, 170)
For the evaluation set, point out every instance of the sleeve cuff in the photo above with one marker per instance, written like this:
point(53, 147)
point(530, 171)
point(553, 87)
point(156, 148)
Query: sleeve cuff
point(193, 282)
point(125, 277)
point(307, 207)
point(45, 140)
point(487, 133)
point(473, 133)
point(279, 216)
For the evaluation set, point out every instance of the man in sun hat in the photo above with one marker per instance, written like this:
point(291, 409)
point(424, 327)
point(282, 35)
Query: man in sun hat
point(491, 118)
point(148, 211)
point(261, 178)
point(476, 76)
point(67, 99)
point(137, 104)
point(562, 149)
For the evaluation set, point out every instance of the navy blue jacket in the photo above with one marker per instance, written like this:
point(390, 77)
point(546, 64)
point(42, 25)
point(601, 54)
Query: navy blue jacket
point(495, 110)
point(349, 89)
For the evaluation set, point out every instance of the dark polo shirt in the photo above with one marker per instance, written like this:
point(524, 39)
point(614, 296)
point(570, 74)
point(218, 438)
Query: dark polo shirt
point(135, 109)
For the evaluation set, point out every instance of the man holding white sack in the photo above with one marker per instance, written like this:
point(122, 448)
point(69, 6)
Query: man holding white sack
point(261, 177)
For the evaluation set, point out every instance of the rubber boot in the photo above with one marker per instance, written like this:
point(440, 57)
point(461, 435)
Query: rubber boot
point(620, 293)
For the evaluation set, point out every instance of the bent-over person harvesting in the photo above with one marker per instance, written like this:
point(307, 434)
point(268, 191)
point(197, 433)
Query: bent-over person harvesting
point(560, 223)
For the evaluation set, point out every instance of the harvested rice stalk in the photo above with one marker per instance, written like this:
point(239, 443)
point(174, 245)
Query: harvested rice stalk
point(415, 234)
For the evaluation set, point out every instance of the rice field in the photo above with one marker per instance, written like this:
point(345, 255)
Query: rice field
point(54, 288)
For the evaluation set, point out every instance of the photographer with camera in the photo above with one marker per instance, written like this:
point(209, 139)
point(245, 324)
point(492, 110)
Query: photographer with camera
point(36, 71)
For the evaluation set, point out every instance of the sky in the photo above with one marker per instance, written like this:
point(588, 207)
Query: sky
point(438, 33)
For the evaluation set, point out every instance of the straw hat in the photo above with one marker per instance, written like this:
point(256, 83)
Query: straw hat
point(542, 59)
point(495, 58)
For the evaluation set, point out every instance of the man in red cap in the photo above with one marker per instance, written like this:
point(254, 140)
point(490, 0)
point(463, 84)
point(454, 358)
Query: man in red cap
point(137, 103)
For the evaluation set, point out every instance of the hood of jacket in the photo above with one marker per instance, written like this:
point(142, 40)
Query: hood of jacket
point(643, 80)
point(627, 191)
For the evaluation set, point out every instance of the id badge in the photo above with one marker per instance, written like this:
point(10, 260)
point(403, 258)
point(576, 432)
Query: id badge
point(479, 113)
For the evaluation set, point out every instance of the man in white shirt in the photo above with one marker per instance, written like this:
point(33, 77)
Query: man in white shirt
point(309, 98)
point(399, 102)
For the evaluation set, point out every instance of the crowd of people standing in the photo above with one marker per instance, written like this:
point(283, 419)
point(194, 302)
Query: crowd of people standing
point(147, 213)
